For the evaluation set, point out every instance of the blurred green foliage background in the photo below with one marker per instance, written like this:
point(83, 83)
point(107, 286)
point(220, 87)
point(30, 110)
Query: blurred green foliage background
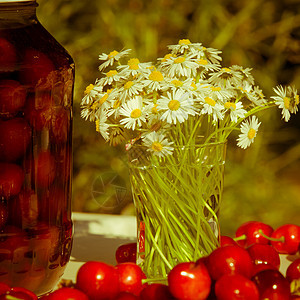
point(261, 183)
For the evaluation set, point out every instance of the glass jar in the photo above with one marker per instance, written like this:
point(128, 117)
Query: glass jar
point(36, 90)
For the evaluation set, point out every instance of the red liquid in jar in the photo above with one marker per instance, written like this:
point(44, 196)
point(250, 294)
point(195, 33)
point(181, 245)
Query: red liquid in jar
point(36, 90)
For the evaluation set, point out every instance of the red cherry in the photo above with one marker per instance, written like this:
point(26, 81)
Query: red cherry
point(261, 267)
point(293, 270)
point(12, 97)
point(130, 278)
point(156, 291)
point(45, 169)
point(289, 239)
point(98, 280)
point(15, 136)
point(227, 240)
point(189, 280)
point(11, 179)
point(251, 233)
point(67, 293)
point(235, 287)
point(8, 56)
point(25, 291)
point(38, 110)
point(126, 296)
point(19, 295)
point(4, 288)
point(126, 253)
point(271, 284)
point(35, 67)
point(264, 254)
point(229, 260)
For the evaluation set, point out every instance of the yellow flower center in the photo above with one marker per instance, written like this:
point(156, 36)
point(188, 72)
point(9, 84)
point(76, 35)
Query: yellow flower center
point(156, 146)
point(111, 73)
point(168, 56)
point(210, 101)
point(154, 109)
point(174, 105)
point(103, 99)
point(226, 70)
point(177, 82)
point(202, 61)
point(184, 42)
point(136, 113)
point(296, 99)
point(156, 76)
point(230, 105)
point(286, 101)
point(128, 85)
point(194, 86)
point(94, 106)
point(215, 88)
point(112, 54)
point(179, 60)
point(117, 104)
point(251, 133)
point(133, 63)
point(97, 125)
point(88, 89)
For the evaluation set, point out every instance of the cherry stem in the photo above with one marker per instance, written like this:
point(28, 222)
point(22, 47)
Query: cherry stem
point(281, 239)
point(240, 238)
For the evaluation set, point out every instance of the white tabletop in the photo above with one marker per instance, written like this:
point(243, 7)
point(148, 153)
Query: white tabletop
point(97, 237)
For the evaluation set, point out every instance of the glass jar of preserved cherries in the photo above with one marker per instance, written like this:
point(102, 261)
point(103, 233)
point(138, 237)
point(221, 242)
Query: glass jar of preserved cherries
point(36, 91)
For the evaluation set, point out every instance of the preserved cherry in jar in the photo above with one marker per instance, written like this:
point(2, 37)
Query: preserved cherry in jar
point(36, 91)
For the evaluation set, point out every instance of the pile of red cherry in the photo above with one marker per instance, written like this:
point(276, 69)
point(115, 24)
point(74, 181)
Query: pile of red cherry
point(246, 267)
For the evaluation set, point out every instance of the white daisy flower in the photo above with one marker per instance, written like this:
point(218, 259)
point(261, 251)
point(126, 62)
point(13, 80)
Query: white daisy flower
point(101, 125)
point(174, 83)
point(134, 113)
point(184, 45)
point(249, 130)
point(114, 109)
point(205, 66)
point(103, 100)
point(91, 92)
point(226, 78)
point(129, 89)
point(235, 109)
point(209, 54)
point(110, 77)
point(134, 67)
point(212, 107)
point(152, 112)
point(245, 72)
point(287, 99)
point(155, 80)
point(249, 93)
point(220, 93)
point(179, 66)
point(176, 106)
point(110, 58)
point(157, 144)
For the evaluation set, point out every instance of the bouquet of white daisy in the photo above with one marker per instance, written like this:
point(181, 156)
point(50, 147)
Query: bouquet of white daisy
point(174, 117)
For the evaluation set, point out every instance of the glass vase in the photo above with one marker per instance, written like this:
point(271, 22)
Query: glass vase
point(177, 200)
